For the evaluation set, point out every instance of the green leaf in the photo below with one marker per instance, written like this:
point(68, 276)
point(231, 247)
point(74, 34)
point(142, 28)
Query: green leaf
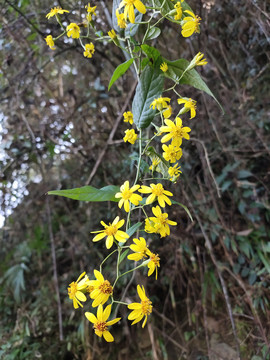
point(184, 207)
point(119, 71)
point(153, 33)
point(191, 77)
point(152, 53)
point(149, 88)
point(89, 193)
point(134, 228)
point(123, 255)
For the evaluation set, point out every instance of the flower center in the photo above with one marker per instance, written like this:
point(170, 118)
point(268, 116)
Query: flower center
point(158, 190)
point(72, 290)
point(163, 219)
point(126, 194)
point(101, 326)
point(146, 307)
point(106, 287)
point(111, 230)
point(155, 258)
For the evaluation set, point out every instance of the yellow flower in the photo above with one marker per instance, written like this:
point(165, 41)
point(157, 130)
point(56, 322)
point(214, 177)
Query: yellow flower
point(126, 196)
point(112, 34)
point(129, 8)
point(140, 249)
point(100, 322)
point(189, 105)
point(55, 11)
point(175, 131)
point(157, 192)
point(90, 12)
point(197, 61)
point(130, 136)
point(75, 290)
point(179, 10)
point(174, 172)
point(168, 112)
point(50, 42)
point(164, 67)
point(112, 232)
point(121, 20)
point(191, 24)
point(160, 223)
point(128, 117)
point(73, 30)
point(160, 103)
point(155, 163)
point(144, 308)
point(89, 50)
point(171, 152)
point(153, 263)
point(102, 289)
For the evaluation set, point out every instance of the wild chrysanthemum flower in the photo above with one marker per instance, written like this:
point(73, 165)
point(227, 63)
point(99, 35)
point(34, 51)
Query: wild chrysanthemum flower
point(50, 42)
point(128, 117)
point(130, 136)
point(153, 263)
point(174, 172)
point(121, 20)
point(155, 163)
point(179, 10)
point(171, 152)
point(160, 103)
point(160, 222)
point(112, 34)
point(168, 112)
point(102, 289)
point(140, 249)
point(89, 50)
point(127, 195)
point(90, 11)
point(73, 30)
point(129, 8)
point(191, 24)
point(144, 308)
point(100, 322)
point(164, 67)
point(157, 192)
point(197, 61)
point(75, 290)
point(189, 105)
point(150, 226)
point(112, 232)
point(55, 11)
point(175, 131)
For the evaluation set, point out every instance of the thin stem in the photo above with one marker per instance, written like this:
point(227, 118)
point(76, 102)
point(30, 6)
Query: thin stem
point(106, 258)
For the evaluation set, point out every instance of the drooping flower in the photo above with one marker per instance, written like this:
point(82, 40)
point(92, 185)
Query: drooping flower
point(197, 61)
point(164, 67)
point(174, 172)
point(129, 8)
point(168, 112)
point(130, 136)
point(179, 10)
point(191, 24)
point(153, 263)
point(172, 153)
point(112, 34)
point(127, 195)
point(175, 131)
point(160, 103)
point(156, 191)
point(128, 117)
point(112, 232)
point(189, 105)
point(100, 322)
point(155, 162)
point(121, 20)
point(90, 11)
point(89, 50)
point(50, 42)
point(55, 11)
point(75, 290)
point(144, 308)
point(140, 249)
point(160, 223)
point(73, 30)
point(102, 289)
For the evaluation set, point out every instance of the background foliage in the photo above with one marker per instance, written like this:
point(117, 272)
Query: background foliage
point(60, 129)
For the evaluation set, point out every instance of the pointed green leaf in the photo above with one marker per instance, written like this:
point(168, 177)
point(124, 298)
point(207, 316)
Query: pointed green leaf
point(89, 193)
point(153, 33)
point(119, 71)
point(152, 53)
point(123, 255)
point(134, 228)
point(191, 77)
point(148, 89)
point(184, 207)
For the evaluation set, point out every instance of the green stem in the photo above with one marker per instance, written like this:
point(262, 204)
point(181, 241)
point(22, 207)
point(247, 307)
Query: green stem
point(103, 261)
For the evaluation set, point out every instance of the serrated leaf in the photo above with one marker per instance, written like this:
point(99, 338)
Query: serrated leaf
point(153, 33)
point(149, 88)
point(119, 71)
point(185, 208)
point(191, 77)
point(89, 193)
point(134, 228)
